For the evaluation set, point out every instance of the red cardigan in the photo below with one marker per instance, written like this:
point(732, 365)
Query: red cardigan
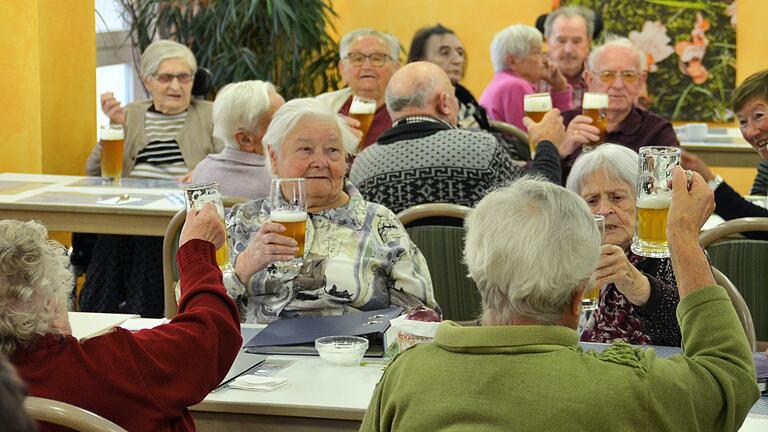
point(145, 381)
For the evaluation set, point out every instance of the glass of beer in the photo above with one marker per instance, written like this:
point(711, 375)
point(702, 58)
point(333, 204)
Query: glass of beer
point(362, 110)
point(535, 106)
point(288, 207)
point(591, 297)
point(654, 193)
point(111, 140)
point(594, 106)
point(196, 197)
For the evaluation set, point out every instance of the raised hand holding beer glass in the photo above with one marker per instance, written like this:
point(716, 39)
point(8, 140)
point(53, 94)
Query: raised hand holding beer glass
point(196, 197)
point(111, 140)
point(362, 110)
point(288, 207)
point(594, 106)
point(536, 105)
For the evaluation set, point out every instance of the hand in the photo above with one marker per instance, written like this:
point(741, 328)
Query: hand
point(354, 125)
point(550, 128)
point(614, 267)
point(111, 107)
point(554, 77)
point(692, 162)
point(204, 225)
point(186, 178)
point(266, 247)
point(689, 209)
point(580, 132)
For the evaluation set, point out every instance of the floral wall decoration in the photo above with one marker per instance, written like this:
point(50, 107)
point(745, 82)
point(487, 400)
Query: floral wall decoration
point(690, 50)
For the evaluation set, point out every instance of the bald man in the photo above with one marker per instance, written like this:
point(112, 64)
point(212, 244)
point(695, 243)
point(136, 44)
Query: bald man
point(424, 158)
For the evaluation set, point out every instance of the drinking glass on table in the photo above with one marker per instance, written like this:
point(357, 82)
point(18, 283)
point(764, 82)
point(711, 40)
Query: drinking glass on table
point(111, 139)
point(594, 106)
point(591, 296)
point(536, 105)
point(196, 197)
point(362, 110)
point(288, 204)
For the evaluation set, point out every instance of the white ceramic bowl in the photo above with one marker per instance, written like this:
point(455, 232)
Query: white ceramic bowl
point(341, 350)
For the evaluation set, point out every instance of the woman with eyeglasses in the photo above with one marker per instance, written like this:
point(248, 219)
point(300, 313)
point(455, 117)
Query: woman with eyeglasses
point(165, 137)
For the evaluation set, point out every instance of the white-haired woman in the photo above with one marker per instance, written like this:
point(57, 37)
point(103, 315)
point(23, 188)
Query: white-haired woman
point(165, 138)
point(640, 296)
point(357, 254)
point(241, 114)
point(519, 65)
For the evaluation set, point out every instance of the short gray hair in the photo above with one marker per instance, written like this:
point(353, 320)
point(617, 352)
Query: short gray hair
point(529, 247)
point(159, 51)
point(240, 106)
point(387, 39)
point(568, 12)
point(34, 283)
point(617, 162)
point(616, 42)
point(422, 89)
point(516, 40)
point(288, 117)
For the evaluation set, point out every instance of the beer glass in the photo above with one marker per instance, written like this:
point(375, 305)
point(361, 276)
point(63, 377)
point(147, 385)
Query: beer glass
point(591, 296)
point(196, 197)
point(362, 110)
point(594, 106)
point(535, 106)
point(111, 138)
point(654, 194)
point(288, 207)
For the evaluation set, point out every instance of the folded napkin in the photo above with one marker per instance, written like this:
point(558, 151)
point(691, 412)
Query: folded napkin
point(258, 383)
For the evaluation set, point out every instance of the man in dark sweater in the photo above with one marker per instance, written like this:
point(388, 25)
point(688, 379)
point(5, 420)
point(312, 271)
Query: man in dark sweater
point(424, 158)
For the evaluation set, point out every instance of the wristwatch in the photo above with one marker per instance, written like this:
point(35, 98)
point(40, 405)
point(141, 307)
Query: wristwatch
point(715, 182)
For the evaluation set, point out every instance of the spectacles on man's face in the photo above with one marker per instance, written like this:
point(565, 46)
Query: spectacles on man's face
point(377, 59)
point(609, 76)
point(166, 78)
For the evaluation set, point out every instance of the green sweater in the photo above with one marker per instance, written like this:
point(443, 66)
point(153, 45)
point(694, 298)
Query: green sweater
point(528, 378)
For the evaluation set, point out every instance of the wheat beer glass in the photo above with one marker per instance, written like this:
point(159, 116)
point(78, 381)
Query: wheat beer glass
point(591, 295)
point(111, 138)
point(288, 200)
point(362, 110)
point(196, 197)
point(535, 106)
point(594, 105)
point(654, 194)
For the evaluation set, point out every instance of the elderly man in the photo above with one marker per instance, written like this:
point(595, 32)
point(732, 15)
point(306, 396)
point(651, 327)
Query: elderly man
point(241, 114)
point(568, 31)
point(519, 66)
point(424, 158)
point(531, 248)
point(368, 60)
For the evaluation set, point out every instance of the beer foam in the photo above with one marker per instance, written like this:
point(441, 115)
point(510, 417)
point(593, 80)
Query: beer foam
point(111, 134)
point(594, 101)
point(288, 215)
point(537, 102)
point(360, 106)
point(654, 202)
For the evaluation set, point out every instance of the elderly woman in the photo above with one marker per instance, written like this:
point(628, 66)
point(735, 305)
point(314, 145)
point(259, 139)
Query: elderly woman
point(357, 255)
point(640, 296)
point(142, 381)
point(165, 137)
point(519, 65)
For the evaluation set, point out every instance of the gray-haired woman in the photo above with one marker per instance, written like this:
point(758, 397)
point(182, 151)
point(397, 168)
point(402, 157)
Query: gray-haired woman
point(357, 254)
point(640, 296)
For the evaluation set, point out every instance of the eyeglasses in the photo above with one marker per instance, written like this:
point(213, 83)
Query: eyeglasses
point(609, 76)
point(377, 59)
point(184, 78)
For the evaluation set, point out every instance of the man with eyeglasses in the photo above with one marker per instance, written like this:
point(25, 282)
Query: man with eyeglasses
point(616, 68)
point(368, 59)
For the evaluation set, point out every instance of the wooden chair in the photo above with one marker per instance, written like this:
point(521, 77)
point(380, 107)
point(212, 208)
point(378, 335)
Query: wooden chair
point(742, 310)
point(70, 416)
point(522, 147)
point(438, 230)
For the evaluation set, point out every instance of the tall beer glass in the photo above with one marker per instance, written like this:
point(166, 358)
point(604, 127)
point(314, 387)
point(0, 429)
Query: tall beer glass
point(111, 138)
point(594, 105)
point(196, 197)
point(288, 207)
point(535, 106)
point(591, 296)
point(362, 110)
point(654, 194)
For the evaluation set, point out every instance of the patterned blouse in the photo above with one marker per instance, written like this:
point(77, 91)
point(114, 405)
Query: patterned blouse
point(655, 323)
point(357, 257)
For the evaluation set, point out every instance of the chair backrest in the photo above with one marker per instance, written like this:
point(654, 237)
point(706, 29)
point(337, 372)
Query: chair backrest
point(521, 147)
point(742, 310)
point(202, 83)
point(64, 414)
point(442, 244)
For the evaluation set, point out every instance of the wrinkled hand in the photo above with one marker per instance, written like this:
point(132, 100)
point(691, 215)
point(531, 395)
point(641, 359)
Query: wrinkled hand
point(580, 132)
point(689, 209)
point(111, 107)
point(550, 128)
point(554, 77)
point(204, 225)
point(354, 125)
point(614, 267)
point(266, 247)
point(692, 162)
